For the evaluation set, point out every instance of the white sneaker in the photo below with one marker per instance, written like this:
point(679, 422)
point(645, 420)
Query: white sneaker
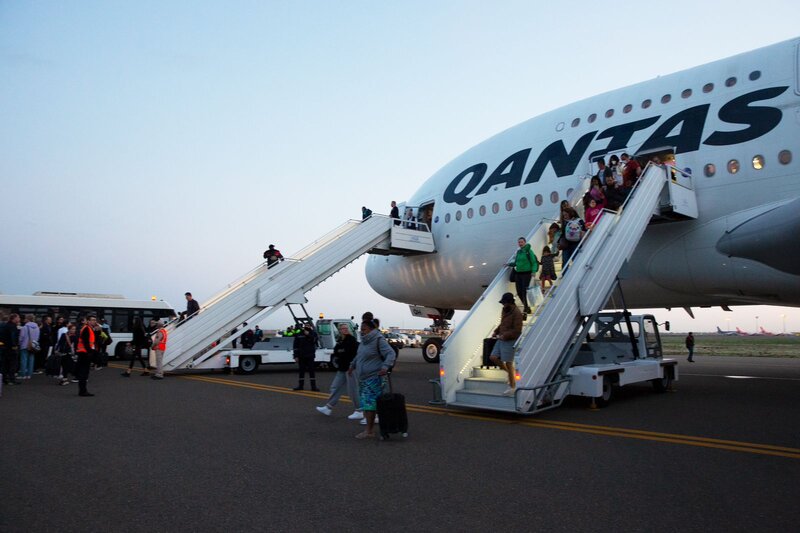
point(509, 392)
point(325, 410)
point(357, 415)
point(364, 420)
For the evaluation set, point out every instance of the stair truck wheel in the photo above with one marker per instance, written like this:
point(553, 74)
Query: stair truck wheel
point(431, 350)
point(604, 399)
point(248, 364)
point(663, 384)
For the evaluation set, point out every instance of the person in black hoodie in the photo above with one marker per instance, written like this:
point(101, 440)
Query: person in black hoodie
point(305, 350)
point(343, 354)
point(140, 342)
point(9, 349)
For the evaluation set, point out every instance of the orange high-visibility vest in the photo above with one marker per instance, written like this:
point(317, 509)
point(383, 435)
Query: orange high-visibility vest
point(163, 344)
point(81, 348)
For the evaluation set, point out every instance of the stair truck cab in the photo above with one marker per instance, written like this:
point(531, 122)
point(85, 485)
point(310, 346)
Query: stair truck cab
point(276, 349)
point(620, 352)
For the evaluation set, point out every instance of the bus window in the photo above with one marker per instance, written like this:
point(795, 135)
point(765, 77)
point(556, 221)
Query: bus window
point(120, 320)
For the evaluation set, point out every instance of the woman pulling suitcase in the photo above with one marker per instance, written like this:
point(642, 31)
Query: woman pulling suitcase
point(373, 360)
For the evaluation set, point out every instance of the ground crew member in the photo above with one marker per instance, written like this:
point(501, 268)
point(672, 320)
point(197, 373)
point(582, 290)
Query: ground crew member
point(305, 350)
point(86, 352)
point(159, 346)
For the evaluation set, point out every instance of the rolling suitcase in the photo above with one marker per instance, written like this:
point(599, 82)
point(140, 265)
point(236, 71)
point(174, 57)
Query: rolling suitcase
point(488, 345)
point(392, 416)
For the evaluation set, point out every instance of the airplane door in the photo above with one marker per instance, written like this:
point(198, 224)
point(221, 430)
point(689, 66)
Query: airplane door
point(797, 69)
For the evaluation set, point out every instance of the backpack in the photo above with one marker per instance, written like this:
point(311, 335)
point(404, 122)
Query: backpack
point(572, 230)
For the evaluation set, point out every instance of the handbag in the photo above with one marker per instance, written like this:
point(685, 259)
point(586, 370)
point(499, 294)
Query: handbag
point(512, 277)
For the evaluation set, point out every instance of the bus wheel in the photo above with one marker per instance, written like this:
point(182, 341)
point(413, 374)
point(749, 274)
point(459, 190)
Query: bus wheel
point(248, 364)
point(431, 350)
point(119, 351)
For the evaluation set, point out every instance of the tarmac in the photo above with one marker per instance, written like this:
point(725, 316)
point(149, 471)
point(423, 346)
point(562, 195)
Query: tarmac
point(215, 452)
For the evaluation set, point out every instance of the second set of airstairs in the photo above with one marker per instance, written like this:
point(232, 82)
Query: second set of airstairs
point(552, 335)
point(197, 341)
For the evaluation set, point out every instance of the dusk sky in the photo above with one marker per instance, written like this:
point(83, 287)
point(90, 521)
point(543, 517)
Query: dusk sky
point(150, 148)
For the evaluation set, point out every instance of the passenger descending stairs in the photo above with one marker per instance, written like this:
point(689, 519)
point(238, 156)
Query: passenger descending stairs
point(264, 290)
point(544, 352)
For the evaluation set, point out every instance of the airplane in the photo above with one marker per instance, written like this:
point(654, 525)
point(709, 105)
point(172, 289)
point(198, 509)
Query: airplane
point(731, 124)
point(765, 332)
point(727, 333)
point(745, 334)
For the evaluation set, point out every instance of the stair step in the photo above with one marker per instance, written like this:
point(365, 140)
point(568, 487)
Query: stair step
point(492, 373)
point(496, 402)
point(485, 385)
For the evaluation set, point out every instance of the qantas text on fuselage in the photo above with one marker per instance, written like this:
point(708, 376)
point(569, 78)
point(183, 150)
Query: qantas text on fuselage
point(690, 123)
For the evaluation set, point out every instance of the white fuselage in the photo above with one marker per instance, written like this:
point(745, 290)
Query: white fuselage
point(709, 119)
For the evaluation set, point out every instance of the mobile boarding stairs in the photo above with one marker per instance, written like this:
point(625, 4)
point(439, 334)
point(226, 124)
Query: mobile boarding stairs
point(545, 353)
point(196, 342)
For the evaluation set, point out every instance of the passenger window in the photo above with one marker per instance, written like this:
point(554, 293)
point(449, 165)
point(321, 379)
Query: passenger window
point(609, 113)
point(733, 166)
point(458, 214)
point(482, 210)
point(755, 75)
point(627, 109)
point(569, 192)
point(554, 197)
point(647, 103)
point(785, 157)
point(576, 122)
point(686, 93)
point(666, 98)
point(592, 117)
point(710, 169)
point(537, 199)
point(470, 212)
point(730, 82)
point(523, 203)
point(447, 218)
point(495, 208)
point(708, 87)
point(758, 162)
point(509, 205)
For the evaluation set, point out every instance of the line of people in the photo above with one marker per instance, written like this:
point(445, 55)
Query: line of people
point(30, 347)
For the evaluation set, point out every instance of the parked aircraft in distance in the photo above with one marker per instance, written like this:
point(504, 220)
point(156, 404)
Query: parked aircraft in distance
point(765, 332)
point(728, 333)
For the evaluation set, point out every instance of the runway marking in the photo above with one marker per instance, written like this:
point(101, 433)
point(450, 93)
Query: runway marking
point(637, 434)
point(739, 377)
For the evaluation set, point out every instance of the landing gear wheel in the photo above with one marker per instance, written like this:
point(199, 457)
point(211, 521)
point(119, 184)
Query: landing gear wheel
point(662, 384)
point(248, 364)
point(605, 398)
point(431, 350)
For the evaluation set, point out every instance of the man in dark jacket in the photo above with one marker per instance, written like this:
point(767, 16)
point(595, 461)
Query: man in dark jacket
point(192, 306)
point(9, 349)
point(305, 350)
point(272, 255)
point(45, 343)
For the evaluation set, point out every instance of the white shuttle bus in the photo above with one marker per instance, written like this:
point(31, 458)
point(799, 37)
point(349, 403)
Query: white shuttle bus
point(117, 310)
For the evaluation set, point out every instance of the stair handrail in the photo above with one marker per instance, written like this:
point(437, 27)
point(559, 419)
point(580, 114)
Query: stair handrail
point(466, 350)
point(605, 228)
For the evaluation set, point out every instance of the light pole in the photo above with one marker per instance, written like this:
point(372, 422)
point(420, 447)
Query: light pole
point(756, 324)
point(728, 322)
point(783, 316)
